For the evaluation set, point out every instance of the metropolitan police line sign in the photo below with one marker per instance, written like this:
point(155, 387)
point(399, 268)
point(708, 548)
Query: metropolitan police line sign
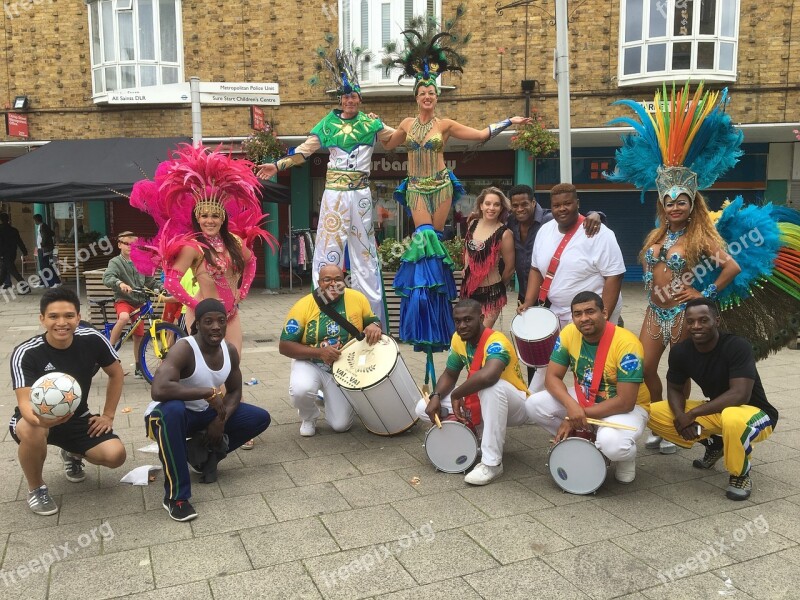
point(211, 92)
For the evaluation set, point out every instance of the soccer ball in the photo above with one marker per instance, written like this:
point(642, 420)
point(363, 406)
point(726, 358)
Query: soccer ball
point(55, 395)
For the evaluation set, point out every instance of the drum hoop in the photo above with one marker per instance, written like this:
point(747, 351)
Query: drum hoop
point(385, 377)
point(449, 424)
point(574, 437)
point(387, 434)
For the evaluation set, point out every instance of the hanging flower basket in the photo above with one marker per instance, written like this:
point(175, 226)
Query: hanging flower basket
point(535, 139)
point(262, 146)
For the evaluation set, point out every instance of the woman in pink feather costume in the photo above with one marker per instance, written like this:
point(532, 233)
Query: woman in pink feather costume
point(209, 215)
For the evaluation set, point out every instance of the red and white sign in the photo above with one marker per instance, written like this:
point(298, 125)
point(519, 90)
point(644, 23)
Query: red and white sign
point(257, 118)
point(17, 125)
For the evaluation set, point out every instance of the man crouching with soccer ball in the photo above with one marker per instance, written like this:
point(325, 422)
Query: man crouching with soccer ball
point(77, 350)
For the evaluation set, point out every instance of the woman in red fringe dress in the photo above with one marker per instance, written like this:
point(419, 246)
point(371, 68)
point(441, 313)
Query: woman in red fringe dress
point(489, 254)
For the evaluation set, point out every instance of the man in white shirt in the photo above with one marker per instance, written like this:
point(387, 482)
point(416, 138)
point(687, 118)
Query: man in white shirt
point(587, 264)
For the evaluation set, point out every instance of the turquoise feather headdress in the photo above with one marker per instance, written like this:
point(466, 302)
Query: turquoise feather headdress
point(684, 146)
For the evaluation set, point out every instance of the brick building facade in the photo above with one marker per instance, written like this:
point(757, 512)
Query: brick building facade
point(50, 54)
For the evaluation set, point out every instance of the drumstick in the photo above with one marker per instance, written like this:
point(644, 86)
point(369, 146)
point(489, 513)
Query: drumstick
point(600, 423)
point(427, 399)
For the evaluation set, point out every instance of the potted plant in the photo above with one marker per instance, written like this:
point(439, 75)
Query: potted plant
point(391, 251)
point(263, 146)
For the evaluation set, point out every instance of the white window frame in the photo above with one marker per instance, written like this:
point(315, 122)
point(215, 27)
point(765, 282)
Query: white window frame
point(97, 64)
point(379, 83)
point(693, 73)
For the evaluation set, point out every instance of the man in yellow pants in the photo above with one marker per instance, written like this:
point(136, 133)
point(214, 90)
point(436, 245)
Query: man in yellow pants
point(722, 364)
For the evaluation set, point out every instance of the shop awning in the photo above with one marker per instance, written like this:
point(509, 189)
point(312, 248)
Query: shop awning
point(100, 169)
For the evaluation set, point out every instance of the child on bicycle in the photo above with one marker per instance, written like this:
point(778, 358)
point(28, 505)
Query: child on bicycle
point(123, 278)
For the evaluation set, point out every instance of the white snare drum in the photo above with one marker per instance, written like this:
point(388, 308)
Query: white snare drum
point(577, 466)
point(378, 385)
point(535, 333)
point(453, 448)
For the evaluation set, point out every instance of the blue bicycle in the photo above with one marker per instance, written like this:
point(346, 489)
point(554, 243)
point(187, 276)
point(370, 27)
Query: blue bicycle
point(159, 335)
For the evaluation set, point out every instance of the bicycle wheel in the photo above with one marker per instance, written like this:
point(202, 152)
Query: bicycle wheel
point(153, 351)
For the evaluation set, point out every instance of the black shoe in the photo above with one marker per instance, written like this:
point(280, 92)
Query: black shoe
point(180, 510)
point(739, 487)
point(714, 451)
point(138, 373)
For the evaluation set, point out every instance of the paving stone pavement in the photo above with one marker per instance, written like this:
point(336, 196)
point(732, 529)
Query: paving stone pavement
point(354, 515)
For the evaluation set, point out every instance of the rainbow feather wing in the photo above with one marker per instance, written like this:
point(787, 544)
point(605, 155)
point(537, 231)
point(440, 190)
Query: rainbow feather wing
point(763, 301)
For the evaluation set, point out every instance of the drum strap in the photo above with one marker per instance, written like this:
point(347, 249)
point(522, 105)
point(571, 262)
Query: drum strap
point(326, 307)
point(554, 262)
point(599, 365)
point(472, 402)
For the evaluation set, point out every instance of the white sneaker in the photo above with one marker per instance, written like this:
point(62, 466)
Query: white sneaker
point(308, 428)
point(665, 447)
point(625, 471)
point(652, 441)
point(483, 474)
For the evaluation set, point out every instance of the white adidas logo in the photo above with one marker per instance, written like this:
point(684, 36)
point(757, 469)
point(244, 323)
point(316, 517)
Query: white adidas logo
point(49, 367)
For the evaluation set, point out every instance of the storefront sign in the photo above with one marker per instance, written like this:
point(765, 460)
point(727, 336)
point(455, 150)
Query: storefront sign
point(495, 163)
point(17, 125)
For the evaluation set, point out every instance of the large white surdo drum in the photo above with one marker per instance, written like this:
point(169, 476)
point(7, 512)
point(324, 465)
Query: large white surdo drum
point(378, 385)
point(535, 333)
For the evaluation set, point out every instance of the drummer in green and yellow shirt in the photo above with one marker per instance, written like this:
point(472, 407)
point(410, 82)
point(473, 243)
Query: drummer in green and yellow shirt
point(497, 380)
point(620, 398)
point(314, 341)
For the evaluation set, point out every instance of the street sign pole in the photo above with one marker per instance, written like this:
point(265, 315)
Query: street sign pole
point(197, 122)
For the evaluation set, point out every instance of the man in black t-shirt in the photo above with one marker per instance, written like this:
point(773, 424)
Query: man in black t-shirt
point(65, 347)
point(724, 367)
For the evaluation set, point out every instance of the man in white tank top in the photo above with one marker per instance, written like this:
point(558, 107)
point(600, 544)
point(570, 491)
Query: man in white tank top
point(198, 387)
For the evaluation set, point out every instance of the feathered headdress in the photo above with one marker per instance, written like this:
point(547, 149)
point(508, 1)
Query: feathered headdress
point(196, 180)
point(338, 68)
point(684, 146)
point(429, 50)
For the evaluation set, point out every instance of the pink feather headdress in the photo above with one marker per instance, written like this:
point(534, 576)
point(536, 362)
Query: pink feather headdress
point(196, 178)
